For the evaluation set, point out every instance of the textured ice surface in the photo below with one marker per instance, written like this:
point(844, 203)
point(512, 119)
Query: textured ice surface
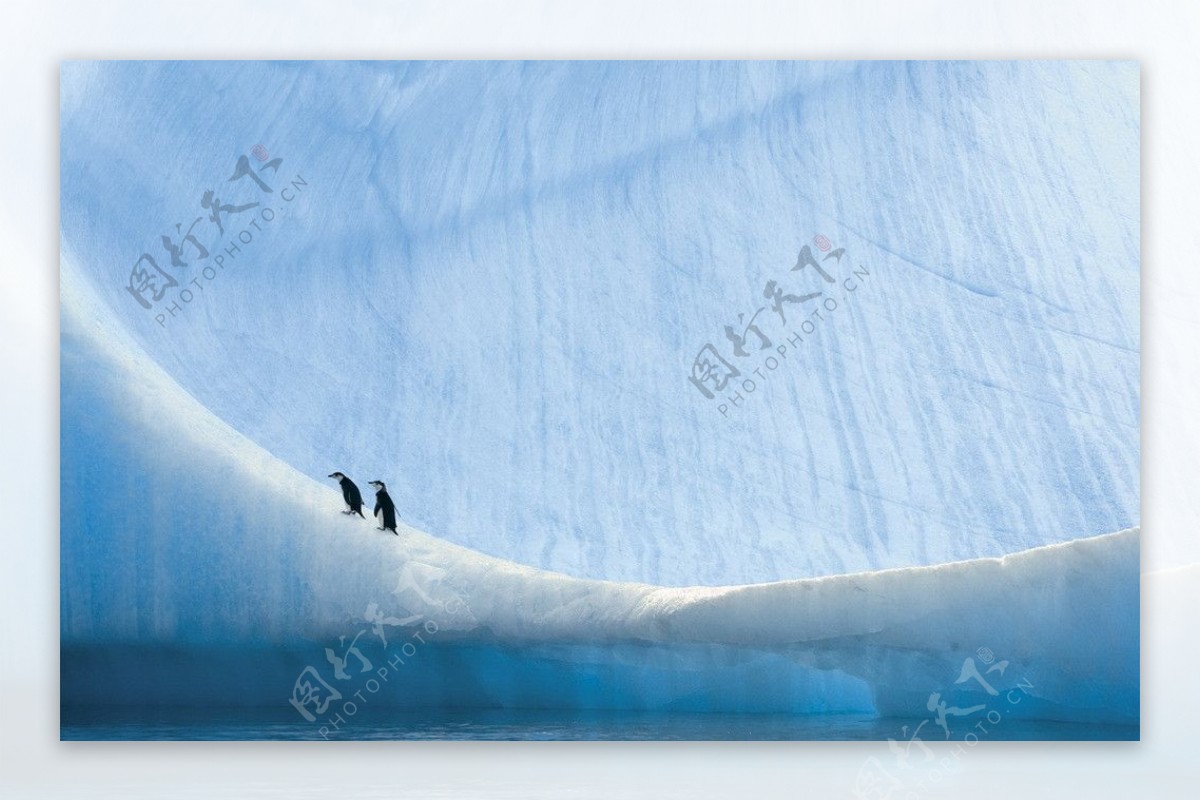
point(492, 288)
point(232, 571)
point(488, 288)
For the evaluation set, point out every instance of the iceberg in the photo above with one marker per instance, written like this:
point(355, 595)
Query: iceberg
point(700, 387)
point(234, 558)
point(492, 282)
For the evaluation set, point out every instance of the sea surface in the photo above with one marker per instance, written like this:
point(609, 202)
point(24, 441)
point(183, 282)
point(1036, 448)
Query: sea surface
point(222, 723)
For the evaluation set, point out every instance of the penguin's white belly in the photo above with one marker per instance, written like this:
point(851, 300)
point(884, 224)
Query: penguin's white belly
point(379, 517)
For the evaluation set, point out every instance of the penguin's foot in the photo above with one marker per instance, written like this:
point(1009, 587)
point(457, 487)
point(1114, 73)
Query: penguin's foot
point(380, 528)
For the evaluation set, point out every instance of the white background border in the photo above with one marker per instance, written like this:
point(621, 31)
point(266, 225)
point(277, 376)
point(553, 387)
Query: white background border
point(34, 38)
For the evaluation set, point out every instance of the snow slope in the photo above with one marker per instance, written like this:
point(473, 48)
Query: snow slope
point(492, 287)
point(235, 568)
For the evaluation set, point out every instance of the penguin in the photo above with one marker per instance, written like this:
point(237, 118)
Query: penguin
point(385, 510)
point(353, 498)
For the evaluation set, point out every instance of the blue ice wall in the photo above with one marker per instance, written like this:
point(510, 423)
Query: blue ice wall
point(198, 569)
point(491, 282)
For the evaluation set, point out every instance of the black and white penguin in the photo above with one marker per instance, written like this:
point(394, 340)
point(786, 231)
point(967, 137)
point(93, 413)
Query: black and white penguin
point(385, 510)
point(353, 498)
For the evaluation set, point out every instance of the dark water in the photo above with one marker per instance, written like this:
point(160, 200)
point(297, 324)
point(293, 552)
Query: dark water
point(192, 723)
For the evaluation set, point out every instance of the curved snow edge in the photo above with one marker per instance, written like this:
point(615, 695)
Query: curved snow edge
point(250, 550)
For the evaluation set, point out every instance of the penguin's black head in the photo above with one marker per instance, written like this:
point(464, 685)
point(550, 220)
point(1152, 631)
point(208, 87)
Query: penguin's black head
point(338, 476)
point(379, 485)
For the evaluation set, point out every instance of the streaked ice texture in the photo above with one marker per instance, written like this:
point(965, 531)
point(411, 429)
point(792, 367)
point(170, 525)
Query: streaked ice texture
point(493, 288)
point(271, 571)
point(488, 289)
